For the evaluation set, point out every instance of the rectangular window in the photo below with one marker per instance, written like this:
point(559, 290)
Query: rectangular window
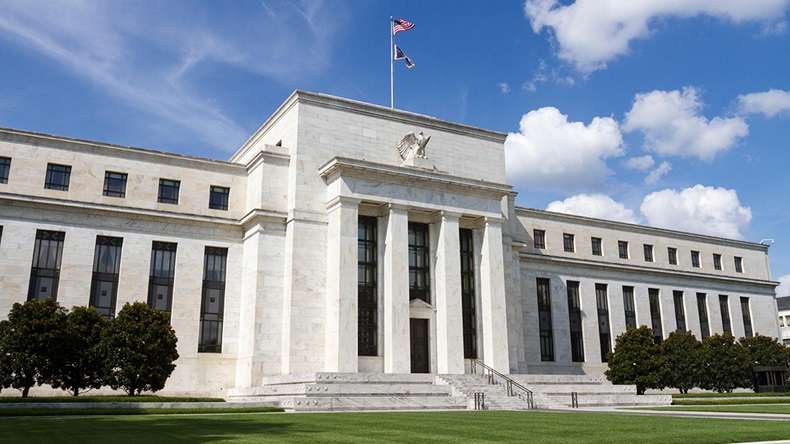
point(622, 249)
point(218, 198)
point(724, 306)
point(747, 318)
point(419, 262)
point(212, 303)
point(655, 315)
point(567, 242)
point(629, 307)
point(716, 261)
point(45, 270)
point(114, 184)
point(57, 177)
point(680, 310)
point(540, 238)
point(5, 169)
point(168, 191)
point(738, 264)
point(575, 318)
point(367, 287)
point(544, 320)
point(106, 267)
point(601, 300)
point(648, 253)
point(702, 310)
point(468, 305)
point(672, 255)
point(695, 259)
point(161, 278)
point(597, 248)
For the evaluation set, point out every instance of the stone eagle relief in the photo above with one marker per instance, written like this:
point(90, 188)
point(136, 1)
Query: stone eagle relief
point(413, 145)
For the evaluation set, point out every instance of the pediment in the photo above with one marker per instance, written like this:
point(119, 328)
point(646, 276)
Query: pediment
point(420, 304)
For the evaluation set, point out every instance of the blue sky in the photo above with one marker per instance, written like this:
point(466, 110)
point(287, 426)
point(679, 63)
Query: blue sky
point(666, 113)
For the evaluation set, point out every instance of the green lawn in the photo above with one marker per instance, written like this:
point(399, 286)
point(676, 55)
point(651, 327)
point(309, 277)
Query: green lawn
point(730, 395)
point(84, 398)
point(411, 427)
point(783, 409)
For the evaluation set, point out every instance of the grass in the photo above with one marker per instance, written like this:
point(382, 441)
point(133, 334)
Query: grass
point(716, 401)
point(782, 409)
point(729, 395)
point(423, 427)
point(109, 411)
point(69, 399)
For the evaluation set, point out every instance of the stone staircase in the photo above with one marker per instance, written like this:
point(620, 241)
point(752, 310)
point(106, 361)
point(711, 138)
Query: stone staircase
point(556, 391)
point(496, 397)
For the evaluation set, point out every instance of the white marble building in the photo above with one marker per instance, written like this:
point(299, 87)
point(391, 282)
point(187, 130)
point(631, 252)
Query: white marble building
point(347, 237)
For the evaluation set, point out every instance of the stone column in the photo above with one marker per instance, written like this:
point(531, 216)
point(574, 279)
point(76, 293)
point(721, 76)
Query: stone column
point(449, 319)
point(341, 286)
point(395, 298)
point(492, 296)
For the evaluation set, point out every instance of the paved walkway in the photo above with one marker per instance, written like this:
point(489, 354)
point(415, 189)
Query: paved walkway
point(724, 415)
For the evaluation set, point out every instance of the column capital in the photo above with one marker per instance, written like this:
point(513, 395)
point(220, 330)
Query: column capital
point(395, 208)
point(447, 215)
point(342, 201)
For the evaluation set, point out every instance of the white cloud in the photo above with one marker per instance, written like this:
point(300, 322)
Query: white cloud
point(504, 87)
point(642, 163)
point(658, 173)
point(672, 125)
point(700, 209)
point(784, 286)
point(550, 152)
point(590, 33)
point(598, 206)
point(769, 103)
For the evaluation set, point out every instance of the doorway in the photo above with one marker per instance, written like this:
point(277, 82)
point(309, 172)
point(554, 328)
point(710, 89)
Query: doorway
point(420, 353)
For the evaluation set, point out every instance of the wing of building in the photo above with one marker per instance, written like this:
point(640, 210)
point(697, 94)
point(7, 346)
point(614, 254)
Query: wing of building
point(345, 237)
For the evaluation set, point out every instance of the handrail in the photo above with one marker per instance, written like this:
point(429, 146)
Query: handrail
point(510, 384)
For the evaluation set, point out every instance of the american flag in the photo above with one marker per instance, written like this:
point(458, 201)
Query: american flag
point(401, 25)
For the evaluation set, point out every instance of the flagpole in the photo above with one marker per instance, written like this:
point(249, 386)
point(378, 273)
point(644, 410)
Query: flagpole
point(392, 66)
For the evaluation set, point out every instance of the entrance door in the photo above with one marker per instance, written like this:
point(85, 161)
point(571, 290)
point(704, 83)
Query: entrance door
point(420, 358)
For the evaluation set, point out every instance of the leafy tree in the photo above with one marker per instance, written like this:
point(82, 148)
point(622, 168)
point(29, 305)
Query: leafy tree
point(765, 351)
point(83, 365)
point(31, 344)
point(683, 355)
point(139, 348)
point(637, 360)
point(727, 365)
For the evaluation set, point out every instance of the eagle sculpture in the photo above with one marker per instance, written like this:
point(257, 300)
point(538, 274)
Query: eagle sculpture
point(414, 143)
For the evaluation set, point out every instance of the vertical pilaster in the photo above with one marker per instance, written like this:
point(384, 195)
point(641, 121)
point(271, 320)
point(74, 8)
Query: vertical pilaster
point(492, 295)
point(395, 298)
point(449, 319)
point(341, 286)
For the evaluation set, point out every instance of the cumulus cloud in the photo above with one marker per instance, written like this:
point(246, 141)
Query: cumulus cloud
point(642, 163)
point(659, 172)
point(784, 286)
point(550, 152)
point(769, 103)
point(699, 209)
point(672, 125)
point(598, 206)
point(590, 33)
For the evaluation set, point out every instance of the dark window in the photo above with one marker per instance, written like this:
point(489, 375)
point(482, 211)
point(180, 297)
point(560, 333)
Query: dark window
point(622, 249)
point(738, 264)
point(747, 318)
point(367, 287)
point(702, 310)
point(628, 305)
point(680, 311)
point(672, 255)
point(114, 184)
point(1, 233)
point(724, 306)
point(45, 271)
point(468, 305)
point(544, 320)
point(5, 168)
point(106, 267)
point(575, 318)
point(540, 238)
point(655, 315)
point(695, 259)
point(168, 191)
point(648, 253)
point(601, 300)
point(57, 177)
point(212, 303)
point(218, 198)
point(567, 241)
point(419, 262)
point(597, 249)
point(163, 271)
point(716, 261)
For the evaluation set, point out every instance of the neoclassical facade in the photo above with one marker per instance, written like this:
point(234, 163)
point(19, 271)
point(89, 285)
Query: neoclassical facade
point(351, 238)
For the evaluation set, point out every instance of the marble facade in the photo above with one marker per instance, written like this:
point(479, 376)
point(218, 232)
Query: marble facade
point(298, 187)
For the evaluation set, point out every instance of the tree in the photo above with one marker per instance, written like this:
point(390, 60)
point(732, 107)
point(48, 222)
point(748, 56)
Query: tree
point(683, 355)
point(31, 343)
point(765, 351)
point(636, 360)
point(139, 348)
point(726, 364)
point(84, 363)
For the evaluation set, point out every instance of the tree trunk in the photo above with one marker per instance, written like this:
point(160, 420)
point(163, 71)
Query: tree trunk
point(25, 391)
